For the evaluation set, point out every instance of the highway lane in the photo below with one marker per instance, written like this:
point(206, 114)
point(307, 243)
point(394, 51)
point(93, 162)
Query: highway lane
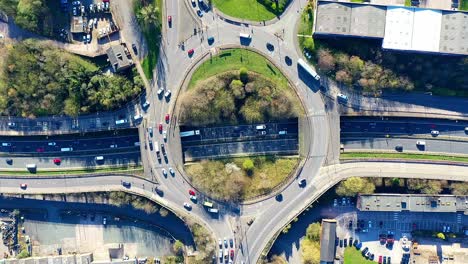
point(432, 145)
point(131, 157)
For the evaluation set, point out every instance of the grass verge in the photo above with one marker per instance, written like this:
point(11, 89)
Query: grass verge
point(409, 156)
point(254, 10)
point(234, 59)
point(352, 256)
point(407, 2)
point(464, 5)
point(306, 24)
point(153, 37)
point(132, 169)
point(227, 179)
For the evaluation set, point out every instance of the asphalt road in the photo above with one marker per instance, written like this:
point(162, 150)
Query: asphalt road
point(377, 134)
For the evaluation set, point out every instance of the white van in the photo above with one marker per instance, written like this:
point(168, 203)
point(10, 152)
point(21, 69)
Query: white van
point(99, 158)
point(245, 35)
point(156, 146)
point(121, 121)
point(66, 149)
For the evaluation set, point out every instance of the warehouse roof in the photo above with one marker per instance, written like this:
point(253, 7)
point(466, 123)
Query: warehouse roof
point(327, 241)
point(454, 33)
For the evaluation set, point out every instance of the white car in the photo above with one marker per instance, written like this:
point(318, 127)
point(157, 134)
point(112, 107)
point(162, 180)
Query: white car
point(167, 94)
point(187, 205)
point(421, 143)
point(434, 133)
point(164, 172)
point(51, 143)
point(220, 244)
point(342, 97)
point(145, 104)
point(171, 171)
point(164, 135)
point(113, 146)
point(193, 198)
point(160, 91)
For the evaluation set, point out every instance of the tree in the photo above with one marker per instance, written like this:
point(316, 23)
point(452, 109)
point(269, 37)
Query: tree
point(248, 166)
point(178, 248)
point(237, 88)
point(326, 62)
point(309, 44)
point(244, 75)
point(163, 212)
point(275, 259)
point(459, 188)
point(354, 185)
point(441, 236)
point(310, 251)
point(148, 15)
point(313, 231)
point(426, 186)
point(344, 77)
point(23, 254)
point(395, 181)
point(355, 65)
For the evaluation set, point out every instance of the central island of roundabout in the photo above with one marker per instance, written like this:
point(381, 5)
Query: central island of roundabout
point(239, 120)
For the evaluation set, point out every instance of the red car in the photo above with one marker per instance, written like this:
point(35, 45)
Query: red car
point(380, 260)
point(190, 52)
point(57, 161)
point(40, 149)
point(232, 254)
point(167, 118)
point(160, 127)
point(191, 192)
point(24, 186)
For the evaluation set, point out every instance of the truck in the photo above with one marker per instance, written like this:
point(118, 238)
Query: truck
point(308, 69)
point(190, 133)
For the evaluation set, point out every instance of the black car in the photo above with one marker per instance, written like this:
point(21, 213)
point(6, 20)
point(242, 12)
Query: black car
point(341, 242)
point(371, 257)
point(350, 241)
point(162, 148)
point(355, 242)
point(126, 184)
point(345, 242)
point(399, 148)
point(364, 251)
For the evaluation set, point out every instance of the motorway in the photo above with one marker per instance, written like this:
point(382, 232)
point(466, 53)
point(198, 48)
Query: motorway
point(320, 145)
point(361, 133)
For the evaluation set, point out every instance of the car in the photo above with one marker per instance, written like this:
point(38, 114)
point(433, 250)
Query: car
point(420, 143)
point(11, 124)
point(82, 9)
point(270, 46)
point(434, 133)
point(364, 251)
point(75, 11)
point(231, 243)
point(134, 48)
point(191, 52)
point(41, 149)
point(187, 205)
point(164, 172)
point(167, 94)
point(91, 8)
point(199, 13)
point(6, 144)
point(169, 20)
point(104, 220)
point(389, 260)
point(167, 118)
point(210, 40)
point(335, 202)
point(232, 254)
point(76, 3)
point(367, 255)
point(171, 171)
point(191, 192)
point(113, 146)
point(9, 161)
point(380, 260)
point(23, 186)
point(194, 3)
point(358, 246)
point(355, 242)
point(342, 98)
point(193, 198)
point(88, 38)
point(84, 39)
point(106, 5)
point(164, 135)
point(341, 242)
point(302, 182)
point(146, 104)
point(225, 243)
point(221, 255)
point(370, 224)
point(150, 131)
point(399, 148)
point(57, 161)
point(160, 91)
point(160, 127)
point(163, 148)
point(220, 244)
point(384, 260)
point(126, 184)
point(345, 242)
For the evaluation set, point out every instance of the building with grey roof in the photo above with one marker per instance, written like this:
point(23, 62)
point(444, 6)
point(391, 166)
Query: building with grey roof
point(118, 58)
point(350, 19)
point(413, 203)
point(454, 33)
point(399, 27)
point(327, 241)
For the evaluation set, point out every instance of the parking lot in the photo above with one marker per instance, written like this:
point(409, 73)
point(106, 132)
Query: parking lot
point(368, 227)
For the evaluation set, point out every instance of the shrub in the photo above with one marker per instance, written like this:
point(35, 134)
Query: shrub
point(248, 166)
point(243, 75)
point(23, 254)
point(441, 236)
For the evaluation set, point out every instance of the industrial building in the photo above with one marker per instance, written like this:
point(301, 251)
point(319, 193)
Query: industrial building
point(327, 241)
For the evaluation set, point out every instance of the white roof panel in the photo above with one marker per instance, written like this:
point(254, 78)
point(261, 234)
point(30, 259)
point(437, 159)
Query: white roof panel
point(398, 28)
point(426, 30)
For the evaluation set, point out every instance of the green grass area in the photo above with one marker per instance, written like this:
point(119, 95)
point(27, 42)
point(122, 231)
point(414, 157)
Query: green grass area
point(306, 24)
point(407, 2)
point(234, 59)
point(353, 256)
point(254, 10)
point(370, 155)
point(357, 1)
point(226, 178)
point(464, 5)
point(153, 37)
point(130, 169)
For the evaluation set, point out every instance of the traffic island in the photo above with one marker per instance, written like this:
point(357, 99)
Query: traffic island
point(251, 10)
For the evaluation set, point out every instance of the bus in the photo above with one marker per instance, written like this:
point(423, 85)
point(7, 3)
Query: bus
point(308, 69)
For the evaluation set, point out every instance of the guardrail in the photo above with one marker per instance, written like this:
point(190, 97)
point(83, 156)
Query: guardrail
point(419, 161)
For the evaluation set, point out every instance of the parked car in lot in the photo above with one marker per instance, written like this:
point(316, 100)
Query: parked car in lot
point(187, 206)
point(191, 52)
point(342, 98)
point(167, 94)
point(167, 118)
